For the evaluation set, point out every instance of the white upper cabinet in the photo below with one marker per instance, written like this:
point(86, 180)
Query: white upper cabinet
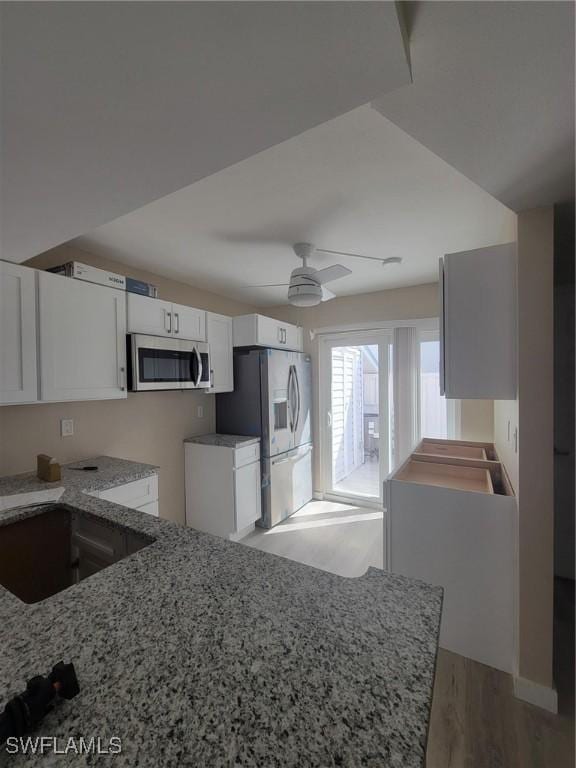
point(82, 340)
point(18, 374)
point(162, 318)
point(219, 336)
point(189, 323)
point(478, 323)
point(261, 331)
point(150, 316)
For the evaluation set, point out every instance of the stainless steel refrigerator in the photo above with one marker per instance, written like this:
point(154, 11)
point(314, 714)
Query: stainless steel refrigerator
point(272, 400)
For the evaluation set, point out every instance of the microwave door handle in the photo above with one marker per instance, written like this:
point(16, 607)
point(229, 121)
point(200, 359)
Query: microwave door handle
point(193, 363)
point(199, 359)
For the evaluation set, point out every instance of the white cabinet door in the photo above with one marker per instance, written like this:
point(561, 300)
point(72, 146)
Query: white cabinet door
point(219, 336)
point(82, 340)
point(18, 376)
point(293, 336)
point(478, 293)
point(149, 316)
point(247, 495)
point(268, 332)
point(188, 323)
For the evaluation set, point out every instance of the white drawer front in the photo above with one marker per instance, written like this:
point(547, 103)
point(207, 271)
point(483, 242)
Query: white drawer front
point(135, 494)
point(246, 454)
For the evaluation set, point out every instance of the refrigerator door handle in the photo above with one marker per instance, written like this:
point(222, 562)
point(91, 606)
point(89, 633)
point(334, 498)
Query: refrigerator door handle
point(297, 392)
point(291, 408)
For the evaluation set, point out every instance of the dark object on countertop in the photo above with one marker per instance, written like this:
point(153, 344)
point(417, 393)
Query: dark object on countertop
point(26, 710)
point(84, 469)
point(48, 468)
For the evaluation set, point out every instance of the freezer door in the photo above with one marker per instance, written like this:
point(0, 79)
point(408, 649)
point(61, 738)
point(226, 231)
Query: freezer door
point(287, 484)
point(277, 436)
point(301, 382)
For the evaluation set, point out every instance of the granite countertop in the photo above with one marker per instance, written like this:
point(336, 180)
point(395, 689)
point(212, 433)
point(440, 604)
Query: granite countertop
point(226, 441)
point(197, 651)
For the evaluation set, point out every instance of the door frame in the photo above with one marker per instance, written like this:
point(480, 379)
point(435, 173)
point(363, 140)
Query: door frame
point(383, 337)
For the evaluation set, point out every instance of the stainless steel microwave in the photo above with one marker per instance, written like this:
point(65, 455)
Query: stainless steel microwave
point(155, 362)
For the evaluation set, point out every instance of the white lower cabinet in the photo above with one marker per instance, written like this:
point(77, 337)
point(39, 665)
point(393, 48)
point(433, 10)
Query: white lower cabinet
point(452, 522)
point(139, 494)
point(82, 340)
point(219, 337)
point(223, 488)
point(18, 372)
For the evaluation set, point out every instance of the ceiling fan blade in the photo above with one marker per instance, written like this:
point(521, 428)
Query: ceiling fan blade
point(326, 294)
point(270, 285)
point(335, 272)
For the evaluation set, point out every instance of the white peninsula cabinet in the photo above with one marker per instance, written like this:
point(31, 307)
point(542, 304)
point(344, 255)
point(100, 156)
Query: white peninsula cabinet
point(478, 323)
point(163, 318)
point(262, 331)
point(223, 485)
point(219, 336)
point(138, 494)
point(18, 372)
point(82, 346)
point(451, 519)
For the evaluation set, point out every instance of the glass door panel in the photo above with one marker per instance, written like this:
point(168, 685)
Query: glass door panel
point(357, 456)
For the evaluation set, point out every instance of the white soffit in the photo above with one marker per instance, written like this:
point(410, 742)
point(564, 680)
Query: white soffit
point(357, 183)
point(108, 106)
point(493, 94)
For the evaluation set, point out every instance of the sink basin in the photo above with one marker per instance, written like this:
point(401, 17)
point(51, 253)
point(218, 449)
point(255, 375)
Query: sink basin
point(59, 547)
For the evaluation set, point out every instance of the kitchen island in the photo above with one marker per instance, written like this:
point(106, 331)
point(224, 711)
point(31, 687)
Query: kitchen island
point(196, 651)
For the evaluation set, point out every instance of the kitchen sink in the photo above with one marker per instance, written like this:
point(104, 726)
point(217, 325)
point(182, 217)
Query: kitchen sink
point(58, 547)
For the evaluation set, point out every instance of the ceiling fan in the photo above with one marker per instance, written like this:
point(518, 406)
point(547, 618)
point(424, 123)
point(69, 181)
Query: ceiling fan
point(307, 285)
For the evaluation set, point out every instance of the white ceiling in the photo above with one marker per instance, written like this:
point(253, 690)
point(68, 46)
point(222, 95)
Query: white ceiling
point(493, 95)
point(108, 106)
point(356, 183)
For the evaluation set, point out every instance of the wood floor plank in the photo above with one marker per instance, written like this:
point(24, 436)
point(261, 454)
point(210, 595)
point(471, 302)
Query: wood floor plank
point(446, 738)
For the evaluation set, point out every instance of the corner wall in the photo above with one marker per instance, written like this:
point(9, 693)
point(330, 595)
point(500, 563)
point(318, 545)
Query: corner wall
point(536, 443)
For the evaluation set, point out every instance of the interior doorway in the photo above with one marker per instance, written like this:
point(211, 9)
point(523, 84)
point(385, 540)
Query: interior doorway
point(357, 414)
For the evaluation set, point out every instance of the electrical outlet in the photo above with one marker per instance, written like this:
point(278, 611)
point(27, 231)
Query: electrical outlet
point(200, 411)
point(66, 427)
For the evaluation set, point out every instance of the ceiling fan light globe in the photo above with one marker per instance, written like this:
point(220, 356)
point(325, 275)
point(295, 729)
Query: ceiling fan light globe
point(305, 295)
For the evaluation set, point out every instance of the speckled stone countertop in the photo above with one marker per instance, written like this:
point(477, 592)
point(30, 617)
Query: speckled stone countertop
point(227, 441)
point(197, 651)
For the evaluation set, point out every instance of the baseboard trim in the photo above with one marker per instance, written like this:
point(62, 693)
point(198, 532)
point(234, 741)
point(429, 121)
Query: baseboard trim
point(536, 694)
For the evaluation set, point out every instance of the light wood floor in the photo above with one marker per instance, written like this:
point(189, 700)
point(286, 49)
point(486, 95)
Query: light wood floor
point(476, 721)
point(334, 537)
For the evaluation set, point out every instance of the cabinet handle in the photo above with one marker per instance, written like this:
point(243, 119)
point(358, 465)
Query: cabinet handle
point(122, 379)
point(169, 316)
point(176, 322)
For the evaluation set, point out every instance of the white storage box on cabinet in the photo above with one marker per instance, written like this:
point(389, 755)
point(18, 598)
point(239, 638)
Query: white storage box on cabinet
point(155, 317)
point(464, 541)
point(219, 336)
point(82, 331)
point(261, 331)
point(223, 487)
point(18, 371)
point(478, 323)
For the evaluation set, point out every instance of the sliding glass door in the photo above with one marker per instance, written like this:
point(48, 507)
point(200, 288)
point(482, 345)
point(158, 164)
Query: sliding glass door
point(379, 395)
point(356, 415)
